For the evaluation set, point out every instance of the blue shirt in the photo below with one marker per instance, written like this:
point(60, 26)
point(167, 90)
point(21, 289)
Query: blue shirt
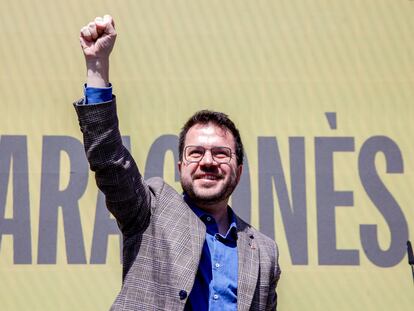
point(215, 284)
point(95, 95)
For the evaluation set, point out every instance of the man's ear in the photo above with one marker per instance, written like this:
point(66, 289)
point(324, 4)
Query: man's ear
point(239, 172)
point(179, 163)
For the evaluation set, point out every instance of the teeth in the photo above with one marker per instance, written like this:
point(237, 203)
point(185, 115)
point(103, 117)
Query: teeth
point(210, 177)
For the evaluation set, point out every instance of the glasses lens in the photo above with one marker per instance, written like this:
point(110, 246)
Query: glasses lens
point(221, 154)
point(194, 153)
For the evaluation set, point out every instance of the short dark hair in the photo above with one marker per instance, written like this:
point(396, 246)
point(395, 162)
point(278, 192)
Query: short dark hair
point(217, 118)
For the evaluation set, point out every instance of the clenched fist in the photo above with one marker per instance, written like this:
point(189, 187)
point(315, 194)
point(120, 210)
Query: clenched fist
point(97, 40)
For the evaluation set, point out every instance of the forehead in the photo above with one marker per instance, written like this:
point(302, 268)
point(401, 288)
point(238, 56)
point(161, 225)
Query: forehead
point(209, 135)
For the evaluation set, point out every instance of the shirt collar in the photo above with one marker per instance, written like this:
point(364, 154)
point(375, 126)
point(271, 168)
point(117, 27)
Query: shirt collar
point(202, 215)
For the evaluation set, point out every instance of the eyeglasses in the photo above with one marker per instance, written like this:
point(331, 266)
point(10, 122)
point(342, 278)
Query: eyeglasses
point(194, 154)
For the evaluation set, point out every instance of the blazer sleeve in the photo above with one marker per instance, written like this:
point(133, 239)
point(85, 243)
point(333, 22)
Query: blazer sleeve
point(127, 195)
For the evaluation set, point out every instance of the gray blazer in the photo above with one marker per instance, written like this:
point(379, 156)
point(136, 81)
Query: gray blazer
point(162, 237)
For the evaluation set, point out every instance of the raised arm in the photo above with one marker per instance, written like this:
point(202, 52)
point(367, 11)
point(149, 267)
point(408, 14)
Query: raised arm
point(127, 195)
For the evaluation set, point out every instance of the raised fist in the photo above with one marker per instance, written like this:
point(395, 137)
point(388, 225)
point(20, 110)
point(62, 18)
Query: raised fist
point(98, 38)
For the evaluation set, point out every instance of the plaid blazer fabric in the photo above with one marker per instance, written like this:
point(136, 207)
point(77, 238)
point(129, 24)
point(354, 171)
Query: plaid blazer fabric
point(162, 237)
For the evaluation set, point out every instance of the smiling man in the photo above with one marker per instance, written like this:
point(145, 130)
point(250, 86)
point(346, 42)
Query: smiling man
point(186, 251)
point(210, 169)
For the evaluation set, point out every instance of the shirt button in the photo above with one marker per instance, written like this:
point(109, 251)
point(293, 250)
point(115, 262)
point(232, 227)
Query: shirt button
point(215, 296)
point(217, 265)
point(208, 218)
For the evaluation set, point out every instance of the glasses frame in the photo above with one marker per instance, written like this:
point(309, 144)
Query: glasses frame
point(219, 161)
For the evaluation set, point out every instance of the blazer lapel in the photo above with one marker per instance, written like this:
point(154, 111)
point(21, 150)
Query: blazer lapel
point(248, 266)
point(194, 236)
point(198, 235)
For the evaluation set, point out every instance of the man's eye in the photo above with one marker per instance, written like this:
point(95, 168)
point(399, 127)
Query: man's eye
point(221, 153)
point(195, 153)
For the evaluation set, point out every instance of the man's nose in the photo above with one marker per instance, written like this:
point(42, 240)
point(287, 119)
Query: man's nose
point(207, 158)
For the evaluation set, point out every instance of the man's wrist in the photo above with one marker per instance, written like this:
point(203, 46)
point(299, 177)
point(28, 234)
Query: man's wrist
point(97, 72)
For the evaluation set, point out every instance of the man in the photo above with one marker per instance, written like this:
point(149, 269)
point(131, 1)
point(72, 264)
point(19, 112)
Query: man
point(185, 251)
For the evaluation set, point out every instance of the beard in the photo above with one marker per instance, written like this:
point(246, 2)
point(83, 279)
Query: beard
point(206, 196)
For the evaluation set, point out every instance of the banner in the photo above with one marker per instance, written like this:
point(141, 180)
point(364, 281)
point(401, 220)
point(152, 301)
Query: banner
point(322, 93)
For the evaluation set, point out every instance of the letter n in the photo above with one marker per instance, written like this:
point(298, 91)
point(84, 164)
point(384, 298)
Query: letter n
point(293, 210)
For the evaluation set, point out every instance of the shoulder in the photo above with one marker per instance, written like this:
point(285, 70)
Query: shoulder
point(164, 194)
point(156, 183)
point(159, 186)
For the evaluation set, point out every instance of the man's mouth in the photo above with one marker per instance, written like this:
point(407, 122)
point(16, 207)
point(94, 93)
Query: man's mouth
point(208, 177)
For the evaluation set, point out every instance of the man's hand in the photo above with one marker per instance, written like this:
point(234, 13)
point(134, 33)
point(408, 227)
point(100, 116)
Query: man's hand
point(97, 40)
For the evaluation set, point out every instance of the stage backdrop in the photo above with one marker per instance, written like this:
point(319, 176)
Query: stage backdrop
point(322, 92)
